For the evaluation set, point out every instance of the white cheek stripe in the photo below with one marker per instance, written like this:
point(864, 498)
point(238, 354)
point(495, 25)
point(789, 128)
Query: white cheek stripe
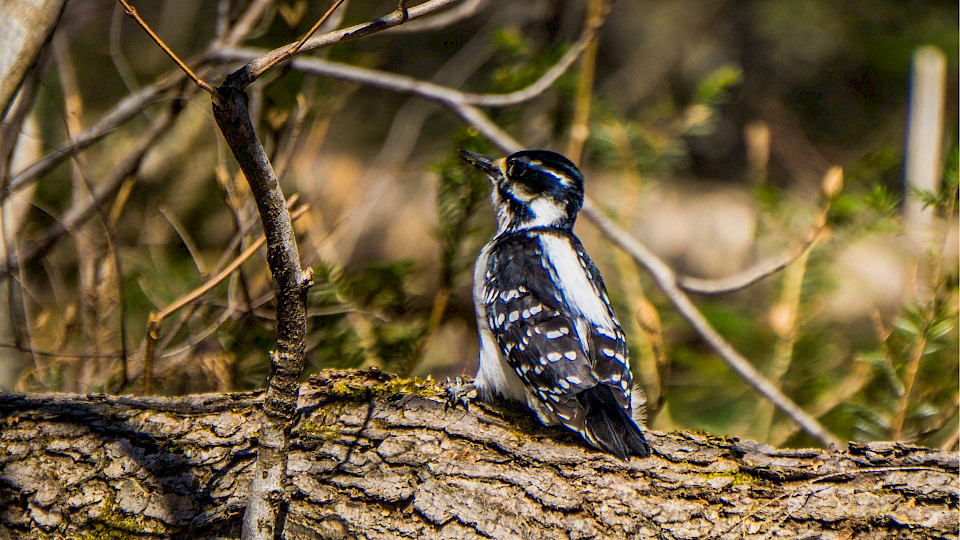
point(578, 291)
point(546, 212)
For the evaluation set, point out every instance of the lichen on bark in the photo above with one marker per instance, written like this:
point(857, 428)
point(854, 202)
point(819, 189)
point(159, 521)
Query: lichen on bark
point(378, 457)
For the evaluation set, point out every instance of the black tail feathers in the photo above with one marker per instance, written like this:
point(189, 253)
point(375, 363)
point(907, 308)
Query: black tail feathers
point(608, 426)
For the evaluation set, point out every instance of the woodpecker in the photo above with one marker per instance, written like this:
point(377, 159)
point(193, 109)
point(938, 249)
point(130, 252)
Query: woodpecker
point(548, 334)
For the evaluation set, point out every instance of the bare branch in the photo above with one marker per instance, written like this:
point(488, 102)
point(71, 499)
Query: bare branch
point(245, 24)
point(405, 84)
point(249, 73)
point(116, 52)
point(750, 276)
point(464, 10)
point(579, 128)
point(105, 191)
point(667, 282)
point(831, 185)
point(132, 12)
point(291, 283)
point(296, 46)
point(26, 319)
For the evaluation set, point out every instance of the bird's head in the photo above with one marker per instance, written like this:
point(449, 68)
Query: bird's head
point(532, 188)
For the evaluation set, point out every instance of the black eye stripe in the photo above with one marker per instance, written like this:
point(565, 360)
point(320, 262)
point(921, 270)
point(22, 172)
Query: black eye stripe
point(516, 168)
point(540, 171)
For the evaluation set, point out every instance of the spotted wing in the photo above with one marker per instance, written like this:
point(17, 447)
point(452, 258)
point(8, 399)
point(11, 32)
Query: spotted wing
point(557, 351)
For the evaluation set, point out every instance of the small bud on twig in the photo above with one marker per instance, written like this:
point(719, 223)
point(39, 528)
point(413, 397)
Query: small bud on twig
point(833, 181)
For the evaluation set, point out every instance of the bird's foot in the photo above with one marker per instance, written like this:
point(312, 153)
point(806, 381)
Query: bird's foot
point(459, 393)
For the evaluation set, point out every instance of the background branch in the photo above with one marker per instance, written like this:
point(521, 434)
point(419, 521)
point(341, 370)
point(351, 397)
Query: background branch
point(249, 73)
point(664, 276)
point(103, 194)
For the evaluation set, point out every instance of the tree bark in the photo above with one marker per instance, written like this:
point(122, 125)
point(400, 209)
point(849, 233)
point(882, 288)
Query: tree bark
point(372, 456)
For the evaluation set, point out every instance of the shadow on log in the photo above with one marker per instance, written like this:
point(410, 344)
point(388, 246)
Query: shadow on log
point(379, 457)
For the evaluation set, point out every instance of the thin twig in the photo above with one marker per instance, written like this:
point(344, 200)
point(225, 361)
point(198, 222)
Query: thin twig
point(58, 354)
point(952, 441)
point(785, 320)
point(26, 320)
point(155, 319)
point(245, 24)
point(463, 10)
point(121, 300)
point(132, 12)
point(913, 367)
point(105, 190)
point(405, 84)
point(831, 185)
point(666, 280)
point(116, 52)
point(223, 274)
point(296, 46)
point(186, 239)
point(289, 144)
point(88, 248)
point(11, 127)
point(248, 73)
point(744, 279)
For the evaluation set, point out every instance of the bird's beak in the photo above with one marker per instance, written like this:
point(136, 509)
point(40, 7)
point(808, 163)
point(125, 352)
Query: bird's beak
point(489, 166)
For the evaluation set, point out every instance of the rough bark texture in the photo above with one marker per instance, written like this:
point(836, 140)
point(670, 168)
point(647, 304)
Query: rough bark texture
point(372, 456)
point(291, 283)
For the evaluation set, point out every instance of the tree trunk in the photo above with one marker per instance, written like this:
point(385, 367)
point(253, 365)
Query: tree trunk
point(379, 457)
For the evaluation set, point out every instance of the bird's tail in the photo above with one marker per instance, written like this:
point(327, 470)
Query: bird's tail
point(608, 426)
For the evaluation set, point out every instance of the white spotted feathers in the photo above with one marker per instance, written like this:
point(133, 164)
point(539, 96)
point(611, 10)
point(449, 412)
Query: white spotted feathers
point(548, 310)
point(548, 333)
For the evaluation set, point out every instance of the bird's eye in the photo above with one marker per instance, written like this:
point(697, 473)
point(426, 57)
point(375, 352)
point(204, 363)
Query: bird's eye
point(516, 168)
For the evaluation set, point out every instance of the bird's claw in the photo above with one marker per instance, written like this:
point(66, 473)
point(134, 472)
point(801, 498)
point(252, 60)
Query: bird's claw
point(459, 393)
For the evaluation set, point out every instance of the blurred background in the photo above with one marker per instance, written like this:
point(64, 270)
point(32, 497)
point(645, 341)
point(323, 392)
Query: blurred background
point(708, 129)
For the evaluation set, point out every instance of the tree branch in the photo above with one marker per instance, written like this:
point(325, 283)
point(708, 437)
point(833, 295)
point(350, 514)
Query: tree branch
point(296, 46)
point(405, 84)
point(664, 276)
point(291, 283)
point(377, 457)
point(253, 69)
point(105, 191)
point(132, 13)
point(463, 10)
point(666, 280)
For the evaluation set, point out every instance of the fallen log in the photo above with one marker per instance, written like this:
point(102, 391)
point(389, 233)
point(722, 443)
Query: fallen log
point(373, 456)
